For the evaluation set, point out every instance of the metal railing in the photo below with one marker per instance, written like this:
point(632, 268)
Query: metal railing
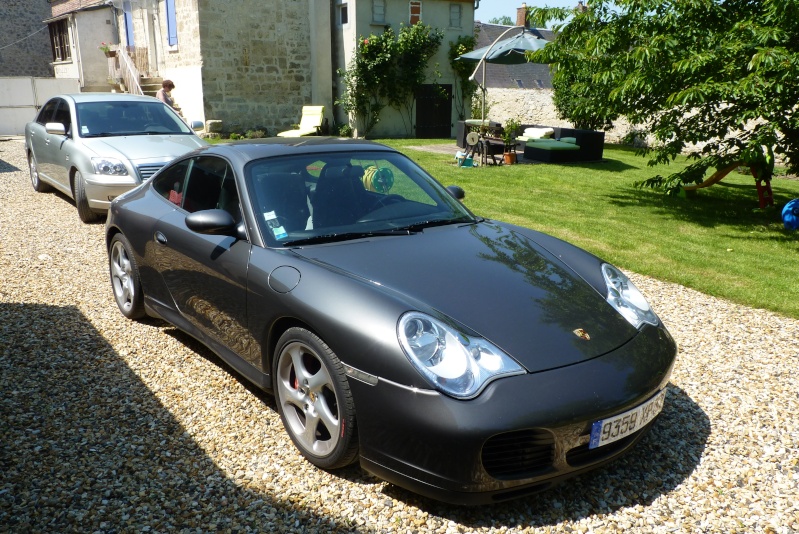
point(129, 72)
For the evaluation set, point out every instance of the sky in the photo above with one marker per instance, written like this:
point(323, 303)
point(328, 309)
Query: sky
point(490, 9)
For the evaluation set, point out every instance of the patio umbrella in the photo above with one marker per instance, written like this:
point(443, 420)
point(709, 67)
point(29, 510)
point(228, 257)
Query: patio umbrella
point(510, 51)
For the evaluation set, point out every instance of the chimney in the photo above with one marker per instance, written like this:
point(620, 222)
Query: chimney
point(521, 16)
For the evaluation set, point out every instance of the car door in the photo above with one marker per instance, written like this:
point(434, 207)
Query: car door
point(62, 146)
point(42, 144)
point(206, 275)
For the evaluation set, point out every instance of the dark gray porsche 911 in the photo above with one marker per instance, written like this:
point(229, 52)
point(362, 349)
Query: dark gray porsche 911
point(465, 359)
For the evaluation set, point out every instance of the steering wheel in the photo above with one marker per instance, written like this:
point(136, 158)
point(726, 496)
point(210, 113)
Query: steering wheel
point(378, 205)
point(385, 200)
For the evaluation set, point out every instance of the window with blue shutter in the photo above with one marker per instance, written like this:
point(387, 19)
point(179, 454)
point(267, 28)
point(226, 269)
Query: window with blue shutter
point(171, 23)
point(128, 22)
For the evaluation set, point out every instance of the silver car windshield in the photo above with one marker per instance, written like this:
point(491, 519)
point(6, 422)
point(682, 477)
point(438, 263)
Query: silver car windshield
point(310, 199)
point(107, 119)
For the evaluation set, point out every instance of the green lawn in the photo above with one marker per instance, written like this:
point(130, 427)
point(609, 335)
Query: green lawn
point(717, 241)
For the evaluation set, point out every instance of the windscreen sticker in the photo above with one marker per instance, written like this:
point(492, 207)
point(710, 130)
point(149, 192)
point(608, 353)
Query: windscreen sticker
point(274, 225)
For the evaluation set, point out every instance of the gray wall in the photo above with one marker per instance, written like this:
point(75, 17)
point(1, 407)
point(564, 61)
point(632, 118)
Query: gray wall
point(31, 56)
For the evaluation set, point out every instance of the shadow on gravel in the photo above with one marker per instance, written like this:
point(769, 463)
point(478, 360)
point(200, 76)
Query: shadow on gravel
point(659, 463)
point(86, 447)
point(7, 167)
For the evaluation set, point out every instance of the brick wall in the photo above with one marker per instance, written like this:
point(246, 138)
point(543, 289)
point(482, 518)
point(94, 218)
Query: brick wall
point(31, 56)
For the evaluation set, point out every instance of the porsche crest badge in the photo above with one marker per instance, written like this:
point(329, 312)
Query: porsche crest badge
point(582, 334)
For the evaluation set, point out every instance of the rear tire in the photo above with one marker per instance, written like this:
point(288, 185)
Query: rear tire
point(314, 400)
point(85, 213)
point(125, 280)
point(38, 185)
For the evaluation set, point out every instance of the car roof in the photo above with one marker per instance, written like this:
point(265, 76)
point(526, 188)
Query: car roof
point(251, 149)
point(106, 97)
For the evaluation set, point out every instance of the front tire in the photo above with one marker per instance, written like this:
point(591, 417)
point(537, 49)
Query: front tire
point(85, 213)
point(314, 400)
point(125, 279)
point(36, 181)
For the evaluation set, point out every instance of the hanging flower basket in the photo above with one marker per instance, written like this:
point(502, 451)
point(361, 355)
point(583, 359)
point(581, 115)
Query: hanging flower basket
point(107, 50)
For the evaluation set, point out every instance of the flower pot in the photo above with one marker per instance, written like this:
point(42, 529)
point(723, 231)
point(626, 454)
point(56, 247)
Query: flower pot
point(110, 53)
point(510, 158)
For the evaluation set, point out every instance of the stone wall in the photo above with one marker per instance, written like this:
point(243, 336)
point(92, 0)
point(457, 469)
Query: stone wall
point(25, 51)
point(259, 52)
point(534, 106)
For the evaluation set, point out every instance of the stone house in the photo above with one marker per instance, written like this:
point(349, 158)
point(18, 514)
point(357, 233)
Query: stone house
point(252, 64)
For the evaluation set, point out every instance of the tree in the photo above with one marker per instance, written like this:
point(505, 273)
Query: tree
point(414, 47)
point(716, 79)
point(465, 89)
point(387, 69)
point(365, 82)
point(503, 20)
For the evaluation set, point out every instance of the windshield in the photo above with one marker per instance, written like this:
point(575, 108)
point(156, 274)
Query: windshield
point(115, 118)
point(320, 198)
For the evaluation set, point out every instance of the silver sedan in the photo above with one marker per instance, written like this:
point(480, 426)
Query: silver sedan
point(95, 146)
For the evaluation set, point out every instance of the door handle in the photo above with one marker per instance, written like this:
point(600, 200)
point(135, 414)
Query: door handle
point(161, 238)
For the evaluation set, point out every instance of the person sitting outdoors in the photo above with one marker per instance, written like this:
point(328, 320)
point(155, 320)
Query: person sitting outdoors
point(165, 93)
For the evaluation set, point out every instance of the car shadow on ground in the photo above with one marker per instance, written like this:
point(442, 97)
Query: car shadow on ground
point(660, 462)
point(85, 446)
point(7, 167)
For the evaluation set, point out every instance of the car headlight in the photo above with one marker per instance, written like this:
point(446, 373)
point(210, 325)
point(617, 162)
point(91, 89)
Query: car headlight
point(626, 299)
point(454, 363)
point(109, 166)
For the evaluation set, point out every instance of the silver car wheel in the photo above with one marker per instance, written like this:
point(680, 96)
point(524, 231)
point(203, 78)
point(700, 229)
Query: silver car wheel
point(36, 180)
point(307, 399)
point(121, 276)
point(125, 278)
point(86, 214)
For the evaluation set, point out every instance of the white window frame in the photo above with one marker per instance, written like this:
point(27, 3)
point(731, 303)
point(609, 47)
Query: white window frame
point(378, 11)
point(455, 16)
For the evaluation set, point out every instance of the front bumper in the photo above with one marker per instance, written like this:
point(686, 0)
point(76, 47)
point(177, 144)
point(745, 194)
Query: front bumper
point(520, 436)
point(101, 189)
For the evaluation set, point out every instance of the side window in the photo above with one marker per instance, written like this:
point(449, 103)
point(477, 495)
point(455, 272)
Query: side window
point(204, 189)
point(46, 113)
point(62, 115)
point(171, 183)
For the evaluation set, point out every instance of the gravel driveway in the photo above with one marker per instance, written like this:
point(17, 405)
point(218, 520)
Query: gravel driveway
point(107, 425)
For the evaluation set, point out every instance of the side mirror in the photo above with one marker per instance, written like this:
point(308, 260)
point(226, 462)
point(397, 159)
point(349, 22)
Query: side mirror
point(457, 192)
point(212, 222)
point(55, 128)
point(197, 125)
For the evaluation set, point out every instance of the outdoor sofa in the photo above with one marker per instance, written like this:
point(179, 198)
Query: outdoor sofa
point(555, 144)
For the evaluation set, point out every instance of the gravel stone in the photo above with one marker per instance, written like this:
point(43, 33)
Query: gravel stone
point(108, 425)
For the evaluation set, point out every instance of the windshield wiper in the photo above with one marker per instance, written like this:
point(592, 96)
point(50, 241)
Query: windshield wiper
point(419, 226)
point(346, 236)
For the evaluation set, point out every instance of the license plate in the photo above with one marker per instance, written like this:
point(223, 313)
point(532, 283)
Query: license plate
point(622, 425)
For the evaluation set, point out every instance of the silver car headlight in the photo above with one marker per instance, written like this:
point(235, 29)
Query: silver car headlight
point(452, 362)
point(626, 299)
point(109, 166)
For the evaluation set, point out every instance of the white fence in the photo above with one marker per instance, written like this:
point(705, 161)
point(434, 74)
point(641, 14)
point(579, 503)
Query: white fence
point(22, 96)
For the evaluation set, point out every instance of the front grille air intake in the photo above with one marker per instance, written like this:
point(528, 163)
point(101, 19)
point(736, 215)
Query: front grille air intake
point(520, 454)
point(145, 171)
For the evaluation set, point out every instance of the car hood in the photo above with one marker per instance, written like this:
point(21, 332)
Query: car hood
point(145, 148)
point(495, 281)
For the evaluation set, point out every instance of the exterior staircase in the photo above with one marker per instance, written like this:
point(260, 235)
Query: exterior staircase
point(150, 86)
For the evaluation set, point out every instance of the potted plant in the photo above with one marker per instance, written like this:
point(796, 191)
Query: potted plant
point(509, 133)
point(107, 50)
